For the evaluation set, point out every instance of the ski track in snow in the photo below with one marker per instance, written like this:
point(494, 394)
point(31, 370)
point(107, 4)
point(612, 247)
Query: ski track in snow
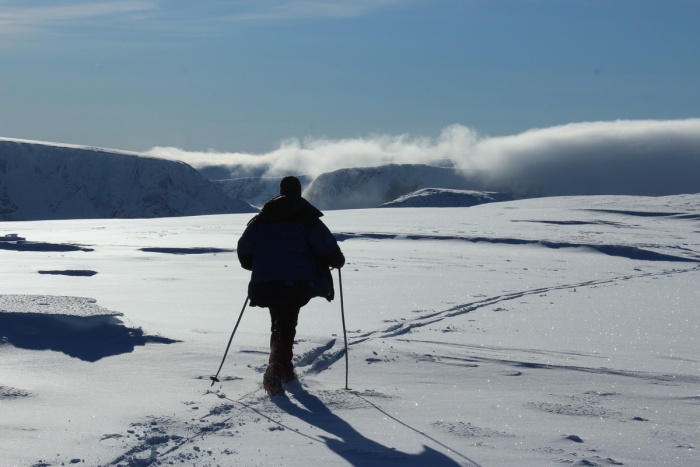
point(433, 317)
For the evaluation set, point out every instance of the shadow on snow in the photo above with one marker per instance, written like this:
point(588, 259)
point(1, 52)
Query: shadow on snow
point(351, 445)
point(187, 251)
point(622, 251)
point(88, 338)
point(71, 272)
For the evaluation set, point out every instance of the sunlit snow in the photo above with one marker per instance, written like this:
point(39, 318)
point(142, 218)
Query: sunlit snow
point(533, 332)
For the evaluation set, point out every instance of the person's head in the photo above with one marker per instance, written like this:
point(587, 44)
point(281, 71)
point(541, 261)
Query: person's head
point(290, 186)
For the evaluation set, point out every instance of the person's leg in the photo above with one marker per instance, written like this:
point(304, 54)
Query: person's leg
point(284, 323)
point(284, 320)
point(280, 369)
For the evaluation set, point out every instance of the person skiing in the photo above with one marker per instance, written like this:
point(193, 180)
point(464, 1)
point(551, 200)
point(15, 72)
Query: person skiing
point(290, 252)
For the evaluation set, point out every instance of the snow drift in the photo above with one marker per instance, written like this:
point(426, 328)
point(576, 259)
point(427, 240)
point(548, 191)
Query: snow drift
point(48, 181)
point(75, 326)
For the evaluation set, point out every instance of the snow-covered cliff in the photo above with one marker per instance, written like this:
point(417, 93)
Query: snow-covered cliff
point(52, 181)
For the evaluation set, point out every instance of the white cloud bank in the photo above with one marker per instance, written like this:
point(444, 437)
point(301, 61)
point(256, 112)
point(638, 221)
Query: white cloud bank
point(646, 157)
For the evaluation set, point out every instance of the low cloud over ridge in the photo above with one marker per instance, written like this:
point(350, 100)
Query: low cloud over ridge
point(637, 157)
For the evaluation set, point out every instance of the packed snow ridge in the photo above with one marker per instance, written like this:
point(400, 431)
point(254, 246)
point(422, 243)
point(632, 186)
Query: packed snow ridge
point(50, 181)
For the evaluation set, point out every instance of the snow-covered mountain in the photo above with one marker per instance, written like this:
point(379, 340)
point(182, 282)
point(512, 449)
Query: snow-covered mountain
point(52, 181)
point(370, 187)
point(40, 181)
point(363, 187)
point(445, 198)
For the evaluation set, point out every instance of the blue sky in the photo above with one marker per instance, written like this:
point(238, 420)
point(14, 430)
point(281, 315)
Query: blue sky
point(248, 75)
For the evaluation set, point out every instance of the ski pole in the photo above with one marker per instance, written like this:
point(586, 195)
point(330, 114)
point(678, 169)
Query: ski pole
point(215, 378)
point(345, 334)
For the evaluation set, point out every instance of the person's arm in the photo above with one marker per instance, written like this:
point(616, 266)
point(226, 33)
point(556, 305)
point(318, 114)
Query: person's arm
point(246, 261)
point(336, 259)
point(246, 247)
point(325, 247)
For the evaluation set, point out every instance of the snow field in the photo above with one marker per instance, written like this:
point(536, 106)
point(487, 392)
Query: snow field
point(491, 335)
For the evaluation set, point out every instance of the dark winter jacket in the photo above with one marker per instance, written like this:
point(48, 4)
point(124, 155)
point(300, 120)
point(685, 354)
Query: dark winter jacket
point(289, 251)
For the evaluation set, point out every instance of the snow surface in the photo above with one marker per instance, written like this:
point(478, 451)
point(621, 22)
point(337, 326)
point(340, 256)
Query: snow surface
point(533, 332)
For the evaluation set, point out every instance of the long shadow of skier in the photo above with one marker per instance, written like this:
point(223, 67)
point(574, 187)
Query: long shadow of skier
point(352, 445)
